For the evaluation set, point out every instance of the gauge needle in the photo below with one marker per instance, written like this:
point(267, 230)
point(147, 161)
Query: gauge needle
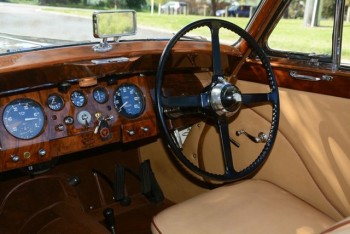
point(27, 119)
point(120, 108)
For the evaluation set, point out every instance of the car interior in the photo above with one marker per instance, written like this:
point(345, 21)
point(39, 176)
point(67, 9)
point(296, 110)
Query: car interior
point(179, 135)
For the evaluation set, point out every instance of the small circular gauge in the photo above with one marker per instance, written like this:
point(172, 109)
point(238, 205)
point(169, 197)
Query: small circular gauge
point(129, 101)
point(24, 118)
point(100, 95)
point(78, 98)
point(55, 102)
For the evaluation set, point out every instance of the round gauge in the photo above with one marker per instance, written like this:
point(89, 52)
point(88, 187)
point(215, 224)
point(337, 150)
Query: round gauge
point(78, 98)
point(129, 101)
point(24, 118)
point(100, 95)
point(55, 102)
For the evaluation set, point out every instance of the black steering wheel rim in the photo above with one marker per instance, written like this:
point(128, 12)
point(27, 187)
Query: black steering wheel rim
point(272, 97)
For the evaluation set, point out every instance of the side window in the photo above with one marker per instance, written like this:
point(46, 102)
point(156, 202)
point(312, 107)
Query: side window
point(345, 54)
point(306, 28)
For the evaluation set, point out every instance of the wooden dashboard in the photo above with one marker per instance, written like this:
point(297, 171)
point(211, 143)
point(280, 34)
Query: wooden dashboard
point(46, 123)
point(60, 101)
point(35, 80)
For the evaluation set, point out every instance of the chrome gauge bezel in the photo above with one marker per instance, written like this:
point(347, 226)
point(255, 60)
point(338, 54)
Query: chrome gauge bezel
point(24, 118)
point(100, 94)
point(129, 100)
point(55, 102)
point(78, 98)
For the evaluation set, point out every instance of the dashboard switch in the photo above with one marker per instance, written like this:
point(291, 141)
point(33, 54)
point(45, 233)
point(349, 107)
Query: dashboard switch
point(59, 127)
point(68, 120)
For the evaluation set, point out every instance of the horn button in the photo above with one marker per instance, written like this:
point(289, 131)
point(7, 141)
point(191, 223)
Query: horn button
point(225, 98)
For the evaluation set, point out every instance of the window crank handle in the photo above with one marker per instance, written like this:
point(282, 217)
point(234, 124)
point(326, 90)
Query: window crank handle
point(261, 138)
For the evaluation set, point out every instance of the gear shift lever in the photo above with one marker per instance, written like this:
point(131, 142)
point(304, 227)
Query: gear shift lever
point(110, 219)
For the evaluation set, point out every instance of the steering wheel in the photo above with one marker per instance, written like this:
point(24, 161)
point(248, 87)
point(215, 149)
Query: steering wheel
point(218, 101)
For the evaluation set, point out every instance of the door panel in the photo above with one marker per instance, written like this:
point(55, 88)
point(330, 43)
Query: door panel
point(340, 79)
point(311, 156)
point(311, 152)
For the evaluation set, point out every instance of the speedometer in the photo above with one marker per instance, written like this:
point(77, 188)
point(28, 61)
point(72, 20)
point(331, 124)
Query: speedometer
point(24, 118)
point(129, 100)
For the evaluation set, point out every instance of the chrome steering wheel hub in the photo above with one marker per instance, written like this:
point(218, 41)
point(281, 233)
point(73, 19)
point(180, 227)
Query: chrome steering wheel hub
point(225, 98)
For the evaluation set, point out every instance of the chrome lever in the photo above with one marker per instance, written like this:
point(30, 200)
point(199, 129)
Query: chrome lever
point(234, 142)
point(261, 138)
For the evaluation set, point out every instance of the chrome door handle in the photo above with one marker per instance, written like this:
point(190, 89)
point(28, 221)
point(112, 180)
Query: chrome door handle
point(297, 76)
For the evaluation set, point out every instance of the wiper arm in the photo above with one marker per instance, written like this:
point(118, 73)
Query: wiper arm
point(14, 50)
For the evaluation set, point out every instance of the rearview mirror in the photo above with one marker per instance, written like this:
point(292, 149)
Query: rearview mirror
point(112, 24)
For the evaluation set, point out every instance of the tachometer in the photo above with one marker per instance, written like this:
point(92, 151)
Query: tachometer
point(24, 118)
point(129, 100)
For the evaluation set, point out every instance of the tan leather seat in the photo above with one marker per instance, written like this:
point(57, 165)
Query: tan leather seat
point(341, 227)
point(251, 206)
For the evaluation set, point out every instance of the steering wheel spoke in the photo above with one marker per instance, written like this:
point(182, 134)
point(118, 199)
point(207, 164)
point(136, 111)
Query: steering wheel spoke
point(183, 101)
point(176, 106)
point(215, 44)
point(226, 146)
point(251, 98)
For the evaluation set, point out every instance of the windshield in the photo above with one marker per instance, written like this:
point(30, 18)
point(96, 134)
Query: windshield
point(36, 25)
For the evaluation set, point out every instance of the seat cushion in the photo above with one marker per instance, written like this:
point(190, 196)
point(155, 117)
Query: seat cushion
point(251, 206)
point(341, 227)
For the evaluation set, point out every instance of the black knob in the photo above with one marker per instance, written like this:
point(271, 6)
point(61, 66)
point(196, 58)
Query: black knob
point(111, 79)
point(63, 87)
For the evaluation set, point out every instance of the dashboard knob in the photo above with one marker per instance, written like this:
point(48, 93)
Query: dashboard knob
point(42, 152)
point(15, 158)
point(64, 87)
point(130, 132)
point(145, 129)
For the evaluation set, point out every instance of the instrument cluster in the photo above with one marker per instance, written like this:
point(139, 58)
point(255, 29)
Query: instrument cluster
point(55, 122)
point(24, 118)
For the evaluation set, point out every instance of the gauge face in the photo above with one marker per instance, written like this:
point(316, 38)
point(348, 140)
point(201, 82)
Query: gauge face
point(24, 118)
point(78, 98)
point(129, 101)
point(55, 102)
point(100, 95)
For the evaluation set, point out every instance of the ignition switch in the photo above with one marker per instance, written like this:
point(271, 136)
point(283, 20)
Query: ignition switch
point(102, 128)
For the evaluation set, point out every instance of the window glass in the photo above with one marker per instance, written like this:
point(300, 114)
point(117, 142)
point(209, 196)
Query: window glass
point(47, 23)
point(345, 54)
point(306, 27)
